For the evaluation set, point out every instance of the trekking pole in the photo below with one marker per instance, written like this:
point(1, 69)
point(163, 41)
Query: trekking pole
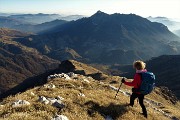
point(118, 89)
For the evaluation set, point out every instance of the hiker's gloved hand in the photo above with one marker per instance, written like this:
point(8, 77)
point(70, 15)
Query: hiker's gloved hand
point(123, 80)
point(133, 89)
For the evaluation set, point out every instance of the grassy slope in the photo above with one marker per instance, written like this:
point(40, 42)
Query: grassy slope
point(98, 102)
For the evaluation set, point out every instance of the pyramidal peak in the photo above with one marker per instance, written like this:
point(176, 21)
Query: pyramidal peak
point(100, 13)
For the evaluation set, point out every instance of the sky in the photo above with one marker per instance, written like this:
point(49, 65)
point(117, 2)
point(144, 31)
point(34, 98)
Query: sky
point(144, 8)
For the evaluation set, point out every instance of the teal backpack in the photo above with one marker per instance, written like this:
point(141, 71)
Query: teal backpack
point(148, 83)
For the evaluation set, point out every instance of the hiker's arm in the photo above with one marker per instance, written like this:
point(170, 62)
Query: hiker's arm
point(134, 82)
point(130, 83)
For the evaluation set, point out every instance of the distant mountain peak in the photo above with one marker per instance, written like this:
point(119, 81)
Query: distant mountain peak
point(99, 13)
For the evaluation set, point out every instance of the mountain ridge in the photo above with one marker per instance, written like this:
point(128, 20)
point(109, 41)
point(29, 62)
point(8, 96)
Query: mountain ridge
point(100, 35)
point(23, 26)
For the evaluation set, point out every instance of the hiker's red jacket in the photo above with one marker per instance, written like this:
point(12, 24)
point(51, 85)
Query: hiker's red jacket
point(136, 83)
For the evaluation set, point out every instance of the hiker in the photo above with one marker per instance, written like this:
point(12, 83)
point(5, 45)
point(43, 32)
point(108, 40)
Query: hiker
point(140, 68)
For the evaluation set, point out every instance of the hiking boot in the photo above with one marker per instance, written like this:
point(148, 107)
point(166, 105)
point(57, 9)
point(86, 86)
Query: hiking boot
point(129, 105)
point(145, 115)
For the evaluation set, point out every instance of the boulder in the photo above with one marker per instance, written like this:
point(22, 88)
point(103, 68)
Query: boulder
point(62, 75)
point(60, 117)
point(81, 94)
point(86, 80)
point(58, 104)
point(71, 74)
point(59, 98)
point(32, 94)
point(50, 86)
point(42, 99)
point(46, 102)
point(51, 100)
point(18, 103)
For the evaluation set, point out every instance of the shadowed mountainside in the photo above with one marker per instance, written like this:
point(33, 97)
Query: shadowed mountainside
point(109, 39)
point(18, 62)
point(64, 67)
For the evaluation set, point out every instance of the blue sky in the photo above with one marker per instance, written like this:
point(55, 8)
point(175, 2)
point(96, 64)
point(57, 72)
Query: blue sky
point(145, 8)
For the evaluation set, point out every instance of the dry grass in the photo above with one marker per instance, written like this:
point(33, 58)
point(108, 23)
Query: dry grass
point(96, 105)
point(87, 69)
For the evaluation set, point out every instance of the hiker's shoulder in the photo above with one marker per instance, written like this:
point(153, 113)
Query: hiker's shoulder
point(137, 75)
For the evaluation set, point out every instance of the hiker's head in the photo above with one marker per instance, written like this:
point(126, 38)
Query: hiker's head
point(139, 65)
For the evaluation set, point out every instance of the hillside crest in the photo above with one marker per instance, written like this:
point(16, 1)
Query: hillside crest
point(73, 96)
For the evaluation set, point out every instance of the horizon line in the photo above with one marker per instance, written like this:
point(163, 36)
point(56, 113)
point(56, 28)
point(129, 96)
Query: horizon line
point(65, 14)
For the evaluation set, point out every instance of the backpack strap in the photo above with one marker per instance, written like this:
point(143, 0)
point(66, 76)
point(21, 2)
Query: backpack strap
point(140, 74)
point(139, 85)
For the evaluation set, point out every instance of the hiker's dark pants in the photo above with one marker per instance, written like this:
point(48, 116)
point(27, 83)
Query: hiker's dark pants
point(141, 98)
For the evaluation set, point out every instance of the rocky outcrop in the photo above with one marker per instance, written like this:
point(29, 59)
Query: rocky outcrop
point(56, 102)
point(60, 117)
point(69, 66)
point(19, 103)
point(168, 95)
